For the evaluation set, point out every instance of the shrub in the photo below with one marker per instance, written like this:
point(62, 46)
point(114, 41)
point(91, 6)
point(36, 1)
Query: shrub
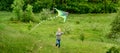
point(45, 14)
point(82, 37)
point(17, 9)
point(90, 7)
point(115, 30)
point(30, 25)
point(29, 15)
point(20, 15)
point(77, 22)
point(110, 7)
point(39, 5)
point(113, 50)
point(6, 5)
point(80, 6)
point(97, 8)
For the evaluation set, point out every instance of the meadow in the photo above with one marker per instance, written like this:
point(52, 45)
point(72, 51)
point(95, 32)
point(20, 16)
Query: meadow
point(15, 37)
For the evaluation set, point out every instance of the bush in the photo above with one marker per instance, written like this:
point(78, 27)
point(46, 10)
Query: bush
point(20, 15)
point(39, 5)
point(17, 9)
point(90, 7)
point(77, 22)
point(78, 8)
point(82, 37)
point(113, 50)
point(29, 15)
point(45, 14)
point(115, 30)
point(6, 5)
point(30, 25)
point(82, 6)
point(110, 8)
point(97, 8)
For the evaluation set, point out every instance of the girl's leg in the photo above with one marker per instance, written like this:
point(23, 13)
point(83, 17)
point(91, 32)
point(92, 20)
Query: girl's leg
point(59, 44)
point(56, 44)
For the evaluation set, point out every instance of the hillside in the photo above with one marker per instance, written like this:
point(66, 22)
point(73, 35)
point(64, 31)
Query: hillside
point(15, 36)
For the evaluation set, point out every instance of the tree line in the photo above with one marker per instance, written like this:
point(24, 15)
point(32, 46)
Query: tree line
point(72, 6)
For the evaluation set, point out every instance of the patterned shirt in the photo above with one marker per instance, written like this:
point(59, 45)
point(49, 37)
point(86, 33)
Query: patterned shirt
point(58, 35)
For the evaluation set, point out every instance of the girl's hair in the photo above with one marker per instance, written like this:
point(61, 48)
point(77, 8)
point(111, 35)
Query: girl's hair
point(59, 29)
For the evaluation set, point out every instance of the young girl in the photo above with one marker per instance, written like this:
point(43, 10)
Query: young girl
point(58, 37)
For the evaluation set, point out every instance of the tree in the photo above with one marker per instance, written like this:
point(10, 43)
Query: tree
point(18, 9)
point(6, 5)
point(115, 1)
point(28, 14)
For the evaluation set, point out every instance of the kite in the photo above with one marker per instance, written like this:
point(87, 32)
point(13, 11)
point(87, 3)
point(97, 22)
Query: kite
point(62, 14)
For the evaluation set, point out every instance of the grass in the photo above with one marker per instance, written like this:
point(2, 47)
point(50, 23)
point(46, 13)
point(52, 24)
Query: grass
point(15, 37)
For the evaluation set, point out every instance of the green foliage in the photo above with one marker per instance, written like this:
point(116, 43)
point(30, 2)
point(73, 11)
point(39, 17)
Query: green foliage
point(95, 1)
point(113, 50)
point(5, 5)
point(82, 37)
point(77, 6)
point(88, 6)
point(17, 9)
point(115, 1)
point(45, 14)
point(30, 25)
point(115, 30)
point(20, 15)
point(91, 8)
point(110, 7)
point(41, 4)
point(29, 15)
point(77, 22)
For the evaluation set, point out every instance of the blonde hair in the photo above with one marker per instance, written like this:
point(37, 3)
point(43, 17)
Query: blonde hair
point(59, 29)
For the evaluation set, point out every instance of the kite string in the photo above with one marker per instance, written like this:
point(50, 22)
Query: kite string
point(41, 23)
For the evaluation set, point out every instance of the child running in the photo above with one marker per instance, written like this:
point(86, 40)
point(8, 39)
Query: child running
point(58, 37)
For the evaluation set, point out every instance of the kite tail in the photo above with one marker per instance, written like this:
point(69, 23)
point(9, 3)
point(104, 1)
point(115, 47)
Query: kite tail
point(65, 18)
point(41, 23)
point(35, 27)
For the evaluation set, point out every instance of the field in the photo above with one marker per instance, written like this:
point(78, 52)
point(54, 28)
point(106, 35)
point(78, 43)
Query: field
point(15, 37)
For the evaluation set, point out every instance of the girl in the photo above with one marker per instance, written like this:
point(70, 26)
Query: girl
point(58, 37)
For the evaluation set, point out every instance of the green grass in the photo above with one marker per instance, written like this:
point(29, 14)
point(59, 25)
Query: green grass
point(15, 37)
